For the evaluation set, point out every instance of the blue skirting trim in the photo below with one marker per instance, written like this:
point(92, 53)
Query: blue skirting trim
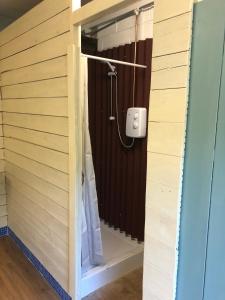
point(4, 231)
point(38, 265)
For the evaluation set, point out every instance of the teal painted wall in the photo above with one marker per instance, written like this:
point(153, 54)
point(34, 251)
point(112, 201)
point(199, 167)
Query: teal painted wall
point(196, 254)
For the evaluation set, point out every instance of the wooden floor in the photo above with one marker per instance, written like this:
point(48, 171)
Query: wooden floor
point(18, 278)
point(20, 281)
point(126, 288)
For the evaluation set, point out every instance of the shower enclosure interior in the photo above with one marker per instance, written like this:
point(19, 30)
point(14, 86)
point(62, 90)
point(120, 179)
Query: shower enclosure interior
point(119, 162)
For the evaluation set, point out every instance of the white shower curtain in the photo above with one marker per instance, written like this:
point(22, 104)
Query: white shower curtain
point(92, 252)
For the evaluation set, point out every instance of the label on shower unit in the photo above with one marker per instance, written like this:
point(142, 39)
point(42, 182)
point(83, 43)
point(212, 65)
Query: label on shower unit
point(136, 122)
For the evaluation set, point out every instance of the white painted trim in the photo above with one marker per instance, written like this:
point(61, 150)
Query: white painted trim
point(75, 108)
point(96, 9)
point(111, 272)
point(89, 12)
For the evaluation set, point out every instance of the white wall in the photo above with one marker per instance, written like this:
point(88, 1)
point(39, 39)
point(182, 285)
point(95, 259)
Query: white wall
point(123, 32)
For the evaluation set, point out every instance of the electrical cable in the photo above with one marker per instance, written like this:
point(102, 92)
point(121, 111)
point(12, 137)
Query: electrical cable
point(128, 146)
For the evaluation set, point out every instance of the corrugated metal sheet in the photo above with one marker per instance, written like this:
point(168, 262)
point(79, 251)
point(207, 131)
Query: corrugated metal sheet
point(120, 173)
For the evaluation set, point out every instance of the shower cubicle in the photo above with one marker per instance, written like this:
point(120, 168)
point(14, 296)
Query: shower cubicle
point(117, 85)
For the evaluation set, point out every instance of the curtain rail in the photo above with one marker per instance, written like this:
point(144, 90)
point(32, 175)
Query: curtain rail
point(120, 62)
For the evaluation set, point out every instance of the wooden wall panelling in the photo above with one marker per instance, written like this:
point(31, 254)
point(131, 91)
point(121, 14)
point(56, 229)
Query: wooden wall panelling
point(39, 106)
point(49, 174)
point(164, 11)
point(42, 214)
point(170, 36)
point(3, 200)
point(51, 68)
point(42, 12)
point(49, 124)
point(48, 140)
point(45, 31)
point(167, 119)
point(168, 105)
point(49, 190)
point(47, 50)
point(33, 67)
point(38, 245)
point(46, 156)
point(53, 209)
point(56, 87)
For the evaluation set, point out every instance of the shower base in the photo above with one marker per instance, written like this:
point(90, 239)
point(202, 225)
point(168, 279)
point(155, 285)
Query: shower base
point(121, 255)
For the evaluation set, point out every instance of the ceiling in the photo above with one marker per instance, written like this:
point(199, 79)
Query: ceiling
point(10, 10)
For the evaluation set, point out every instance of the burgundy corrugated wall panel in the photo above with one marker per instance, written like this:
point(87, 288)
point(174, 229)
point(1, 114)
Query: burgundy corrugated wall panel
point(120, 173)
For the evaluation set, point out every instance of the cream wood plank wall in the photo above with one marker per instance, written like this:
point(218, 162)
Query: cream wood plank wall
point(167, 122)
point(3, 202)
point(33, 67)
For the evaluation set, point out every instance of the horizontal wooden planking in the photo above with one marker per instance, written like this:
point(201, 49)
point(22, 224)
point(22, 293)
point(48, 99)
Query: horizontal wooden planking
point(52, 68)
point(59, 196)
point(51, 175)
point(51, 28)
point(48, 140)
point(1, 153)
point(163, 173)
point(167, 226)
point(170, 61)
point(164, 11)
point(39, 106)
point(3, 210)
point(40, 13)
point(2, 186)
point(2, 200)
point(41, 227)
point(2, 178)
point(47, 50)
point(60, 258)
point(51, 207)
point(162, 251)
point(164, 260)
point(168, 105)
point(43, 216)
point(56, 87)
point(45, 252)
point(3, 221)
point(166, 138)
point(162, 191)
point(51, 158)
point(49, 124)
point(161, 287)
point(170, 78)
point(167, 205)
point(1, 142)
point(172, 35)
point(2, 165)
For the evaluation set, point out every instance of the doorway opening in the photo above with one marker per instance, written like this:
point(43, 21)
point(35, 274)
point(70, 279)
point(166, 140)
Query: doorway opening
point(117, 81)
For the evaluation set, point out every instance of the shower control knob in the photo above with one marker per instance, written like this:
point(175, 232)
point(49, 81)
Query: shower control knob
point(135, 116)
point(135, 125)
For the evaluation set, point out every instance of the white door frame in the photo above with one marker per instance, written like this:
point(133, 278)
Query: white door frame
point(83, 15)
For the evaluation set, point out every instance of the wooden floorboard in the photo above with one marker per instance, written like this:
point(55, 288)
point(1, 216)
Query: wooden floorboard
point(20, 281)
point(127, 288)
point(18, 278)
